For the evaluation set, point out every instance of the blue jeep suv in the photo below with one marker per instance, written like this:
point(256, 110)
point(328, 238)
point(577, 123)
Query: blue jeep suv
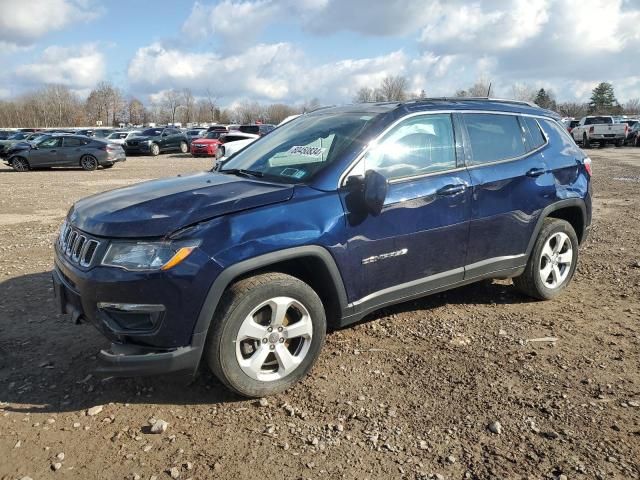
point(331, 216)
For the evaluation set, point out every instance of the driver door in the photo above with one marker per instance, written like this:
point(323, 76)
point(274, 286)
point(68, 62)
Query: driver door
point(419, 240)
point(47, 153)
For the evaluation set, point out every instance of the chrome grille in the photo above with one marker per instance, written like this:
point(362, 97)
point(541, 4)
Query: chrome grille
point(76, 246)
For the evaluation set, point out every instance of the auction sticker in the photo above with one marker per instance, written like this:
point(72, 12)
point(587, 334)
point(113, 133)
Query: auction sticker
point(307, 151)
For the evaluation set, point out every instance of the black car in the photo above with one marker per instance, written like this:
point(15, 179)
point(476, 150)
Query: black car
point(4, 134)
point(633, 135)
point(258, 129)
point(157, 140)
point(66, 151)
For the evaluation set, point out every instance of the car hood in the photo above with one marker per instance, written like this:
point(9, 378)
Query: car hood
point(141, 138)
point(205, 140)
point(160, 207)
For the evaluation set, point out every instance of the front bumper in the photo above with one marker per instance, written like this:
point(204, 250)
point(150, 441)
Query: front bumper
point(207, 151)
point(139, 148)
point(164, 345)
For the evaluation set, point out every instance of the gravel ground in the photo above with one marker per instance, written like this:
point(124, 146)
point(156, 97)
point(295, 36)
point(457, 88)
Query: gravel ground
point(447, 387)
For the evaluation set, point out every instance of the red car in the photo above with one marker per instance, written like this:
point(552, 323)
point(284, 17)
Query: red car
point(206, 146)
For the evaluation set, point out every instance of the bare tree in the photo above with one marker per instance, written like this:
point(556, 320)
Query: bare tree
point(172, 101)
point(211, 101)
point(188, 104)
point(364, 95)
point(632, 106)
point(572, 109)
point(479, 89)
point(523, 92)
point(135, 110)
point(394, 89)
point(277, 112)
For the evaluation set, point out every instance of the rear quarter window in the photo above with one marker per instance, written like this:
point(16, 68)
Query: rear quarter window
point(535, 137)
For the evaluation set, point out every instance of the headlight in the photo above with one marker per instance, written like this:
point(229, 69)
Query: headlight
point(148, 255)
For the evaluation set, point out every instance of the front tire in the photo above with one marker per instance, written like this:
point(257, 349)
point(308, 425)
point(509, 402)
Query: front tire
point(266, 334)
point(154, 149)
point(20, 164)
point(585, 141)
point(552, 262)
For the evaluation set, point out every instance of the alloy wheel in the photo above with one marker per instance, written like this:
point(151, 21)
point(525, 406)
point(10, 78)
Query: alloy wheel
point(556, 260)
point(274, 339)
point(20, 165)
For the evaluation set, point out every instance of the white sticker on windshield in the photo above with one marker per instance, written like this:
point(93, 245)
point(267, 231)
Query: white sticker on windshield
point(307, 151)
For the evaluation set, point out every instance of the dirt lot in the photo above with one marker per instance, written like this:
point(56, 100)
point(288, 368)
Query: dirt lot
point(409, 393)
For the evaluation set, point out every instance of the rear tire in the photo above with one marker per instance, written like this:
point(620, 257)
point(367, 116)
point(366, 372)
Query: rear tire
point(552, 262)
point(184, 148)
point(266, 334)
point(20, 164)
point(620, 143)
point(89, 163)
point(585, 141)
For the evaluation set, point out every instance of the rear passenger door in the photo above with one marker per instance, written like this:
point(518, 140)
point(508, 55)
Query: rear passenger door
point(511, 184)
point(71, 151)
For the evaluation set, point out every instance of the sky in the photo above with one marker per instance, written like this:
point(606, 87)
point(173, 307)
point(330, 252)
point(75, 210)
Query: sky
point(291, 51)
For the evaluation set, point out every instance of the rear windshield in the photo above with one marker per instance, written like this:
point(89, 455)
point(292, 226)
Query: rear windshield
point(598, 120)
point(298, 150)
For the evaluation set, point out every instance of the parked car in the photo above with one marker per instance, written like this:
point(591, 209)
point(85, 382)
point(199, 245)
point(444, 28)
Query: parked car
point(87, 132)
point(102, 132)
point(4, 134)
point(217, 128)
point(10, 141)
point(335, 214)
point(157, 140)
point(257, 129)
point(233, 142)
point(208, 145)
point(67, 151)
point(600, 129)
point(195, 133)
point(121, 137)
point(633, 135)
point(31, 140)
point(572, 124)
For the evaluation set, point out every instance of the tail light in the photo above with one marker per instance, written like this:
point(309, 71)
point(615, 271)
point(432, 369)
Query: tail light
point(591, 129)
point(587, 165)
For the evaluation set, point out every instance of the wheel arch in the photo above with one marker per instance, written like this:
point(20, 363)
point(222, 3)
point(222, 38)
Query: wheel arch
point(313, 265)
point(572, 210)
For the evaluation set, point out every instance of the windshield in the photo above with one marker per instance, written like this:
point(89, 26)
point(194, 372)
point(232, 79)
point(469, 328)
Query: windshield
point(598, 120)
point(152, 132)
point(299, 149)
point(214, 135)
point(17, 136)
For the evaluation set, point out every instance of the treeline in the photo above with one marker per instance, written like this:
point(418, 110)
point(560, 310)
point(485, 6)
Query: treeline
point(603, 99)
point(57, 106)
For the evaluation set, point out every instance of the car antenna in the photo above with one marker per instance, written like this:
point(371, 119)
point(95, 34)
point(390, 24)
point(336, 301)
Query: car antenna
point(489, 91)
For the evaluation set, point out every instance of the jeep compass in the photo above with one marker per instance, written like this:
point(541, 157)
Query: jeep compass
point(331, 216)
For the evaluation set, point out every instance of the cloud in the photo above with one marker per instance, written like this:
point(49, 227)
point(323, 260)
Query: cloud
point(23, 22)
point(75, 67)
point(277, 73)
point(237, 23)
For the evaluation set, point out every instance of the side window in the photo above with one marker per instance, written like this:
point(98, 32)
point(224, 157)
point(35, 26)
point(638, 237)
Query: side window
point(51, 142)
point(72, 142)
point(494, 137)
point(417, 146)
point(534, 134)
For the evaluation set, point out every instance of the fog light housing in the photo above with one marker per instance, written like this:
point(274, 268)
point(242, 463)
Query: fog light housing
point(130, 318)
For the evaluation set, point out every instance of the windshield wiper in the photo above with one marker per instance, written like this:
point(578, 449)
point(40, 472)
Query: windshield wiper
point(242, 171)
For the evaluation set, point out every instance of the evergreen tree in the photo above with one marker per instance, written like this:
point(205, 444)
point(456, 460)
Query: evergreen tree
point(603, 99)
point(545, 99)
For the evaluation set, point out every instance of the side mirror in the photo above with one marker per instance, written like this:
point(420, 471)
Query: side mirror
point(371, 190)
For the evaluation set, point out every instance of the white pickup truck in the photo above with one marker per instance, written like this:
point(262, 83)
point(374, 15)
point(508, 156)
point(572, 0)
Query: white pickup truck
point(600, 129)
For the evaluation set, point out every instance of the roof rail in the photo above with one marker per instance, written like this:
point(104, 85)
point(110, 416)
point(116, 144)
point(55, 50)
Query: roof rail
point(487, 99)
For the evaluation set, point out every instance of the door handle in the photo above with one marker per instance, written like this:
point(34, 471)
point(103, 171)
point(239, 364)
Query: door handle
point(450, 190)
point(536, 172)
